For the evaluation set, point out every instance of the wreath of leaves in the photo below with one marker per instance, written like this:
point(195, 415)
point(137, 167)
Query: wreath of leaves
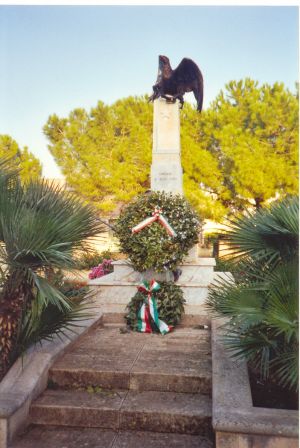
point(152, 247)
point(170, 305)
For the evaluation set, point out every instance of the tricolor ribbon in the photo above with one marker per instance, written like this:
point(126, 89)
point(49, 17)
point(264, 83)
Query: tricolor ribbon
point(149, 309)
point(156, 216)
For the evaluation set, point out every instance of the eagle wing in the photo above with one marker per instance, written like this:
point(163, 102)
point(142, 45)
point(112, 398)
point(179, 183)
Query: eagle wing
point(189, 74)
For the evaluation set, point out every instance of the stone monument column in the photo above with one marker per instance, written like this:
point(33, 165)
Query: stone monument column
point(166, 170)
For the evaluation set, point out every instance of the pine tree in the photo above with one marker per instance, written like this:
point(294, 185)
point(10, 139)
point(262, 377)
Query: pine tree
point(240, 152)
point(252, 133)
point(29, 166)
point(105, 155)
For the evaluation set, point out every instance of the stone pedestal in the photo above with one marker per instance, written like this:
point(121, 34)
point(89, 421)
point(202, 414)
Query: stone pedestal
point(114, 291)
point(166, 170)
point(200, 272)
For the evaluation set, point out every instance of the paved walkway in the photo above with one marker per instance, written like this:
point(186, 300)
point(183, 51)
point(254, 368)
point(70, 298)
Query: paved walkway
point(127, 390)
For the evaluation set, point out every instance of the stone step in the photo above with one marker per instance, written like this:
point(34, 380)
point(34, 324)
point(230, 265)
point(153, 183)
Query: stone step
point(156, 371)
point(70, 437)
point(178, 362)
point(125, 410)
point(194, 315)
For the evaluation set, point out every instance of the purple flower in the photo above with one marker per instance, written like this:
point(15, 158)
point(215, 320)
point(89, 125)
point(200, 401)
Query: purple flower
point(102, 269)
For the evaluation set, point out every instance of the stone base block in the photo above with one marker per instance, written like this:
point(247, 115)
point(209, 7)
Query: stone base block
point(122, 292)
point(192, 256)
point(196, 271)
point(108, 291)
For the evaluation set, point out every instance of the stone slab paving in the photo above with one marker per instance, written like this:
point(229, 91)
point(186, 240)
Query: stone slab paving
point(56, 437)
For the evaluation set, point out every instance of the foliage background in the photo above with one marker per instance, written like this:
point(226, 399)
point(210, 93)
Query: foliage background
point(22, 159)
point(241, 151)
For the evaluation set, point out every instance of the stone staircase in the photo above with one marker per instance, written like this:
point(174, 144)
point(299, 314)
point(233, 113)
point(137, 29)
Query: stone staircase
point(117, 389)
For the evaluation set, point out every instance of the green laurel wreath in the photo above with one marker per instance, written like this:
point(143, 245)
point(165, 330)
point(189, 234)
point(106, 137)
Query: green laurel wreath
point(152, 247)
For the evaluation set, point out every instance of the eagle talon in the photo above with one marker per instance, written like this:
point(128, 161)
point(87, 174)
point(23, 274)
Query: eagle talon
point(169, 98)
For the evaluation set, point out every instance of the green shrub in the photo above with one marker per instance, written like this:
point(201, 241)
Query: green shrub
point(224, 265)
point(92, 258)
point(88, 260)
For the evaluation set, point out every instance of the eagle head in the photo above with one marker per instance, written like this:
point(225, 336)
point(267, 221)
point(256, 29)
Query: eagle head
point(163, 60)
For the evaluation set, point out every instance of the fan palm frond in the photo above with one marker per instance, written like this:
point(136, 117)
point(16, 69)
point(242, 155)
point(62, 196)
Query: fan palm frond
point(282, 313)
point(256, 344)
point(47, 321)
point(286, 368)
point(261, 304)
point(269, 234)
point(41, 229)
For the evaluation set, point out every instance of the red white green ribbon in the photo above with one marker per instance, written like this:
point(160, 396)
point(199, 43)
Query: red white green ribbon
point(149, 309)
point(156, 216)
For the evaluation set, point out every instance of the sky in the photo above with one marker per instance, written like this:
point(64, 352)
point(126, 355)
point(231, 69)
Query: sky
point(56, 58)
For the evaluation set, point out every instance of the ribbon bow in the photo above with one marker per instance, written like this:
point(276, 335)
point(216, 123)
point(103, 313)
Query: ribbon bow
point(149, 308)
point(156, 216)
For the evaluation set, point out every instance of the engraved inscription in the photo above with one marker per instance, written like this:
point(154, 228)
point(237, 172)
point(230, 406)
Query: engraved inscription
point(165, 177)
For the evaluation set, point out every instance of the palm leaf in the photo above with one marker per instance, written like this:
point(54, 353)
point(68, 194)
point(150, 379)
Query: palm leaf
point(42, 227)
point(286, 368)
point(262, 304)
point(43, 323)
point(282, 312)
point(269, 234)
point(256, 344)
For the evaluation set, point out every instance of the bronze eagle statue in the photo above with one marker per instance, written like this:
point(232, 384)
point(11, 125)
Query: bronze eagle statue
point(172, 84)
